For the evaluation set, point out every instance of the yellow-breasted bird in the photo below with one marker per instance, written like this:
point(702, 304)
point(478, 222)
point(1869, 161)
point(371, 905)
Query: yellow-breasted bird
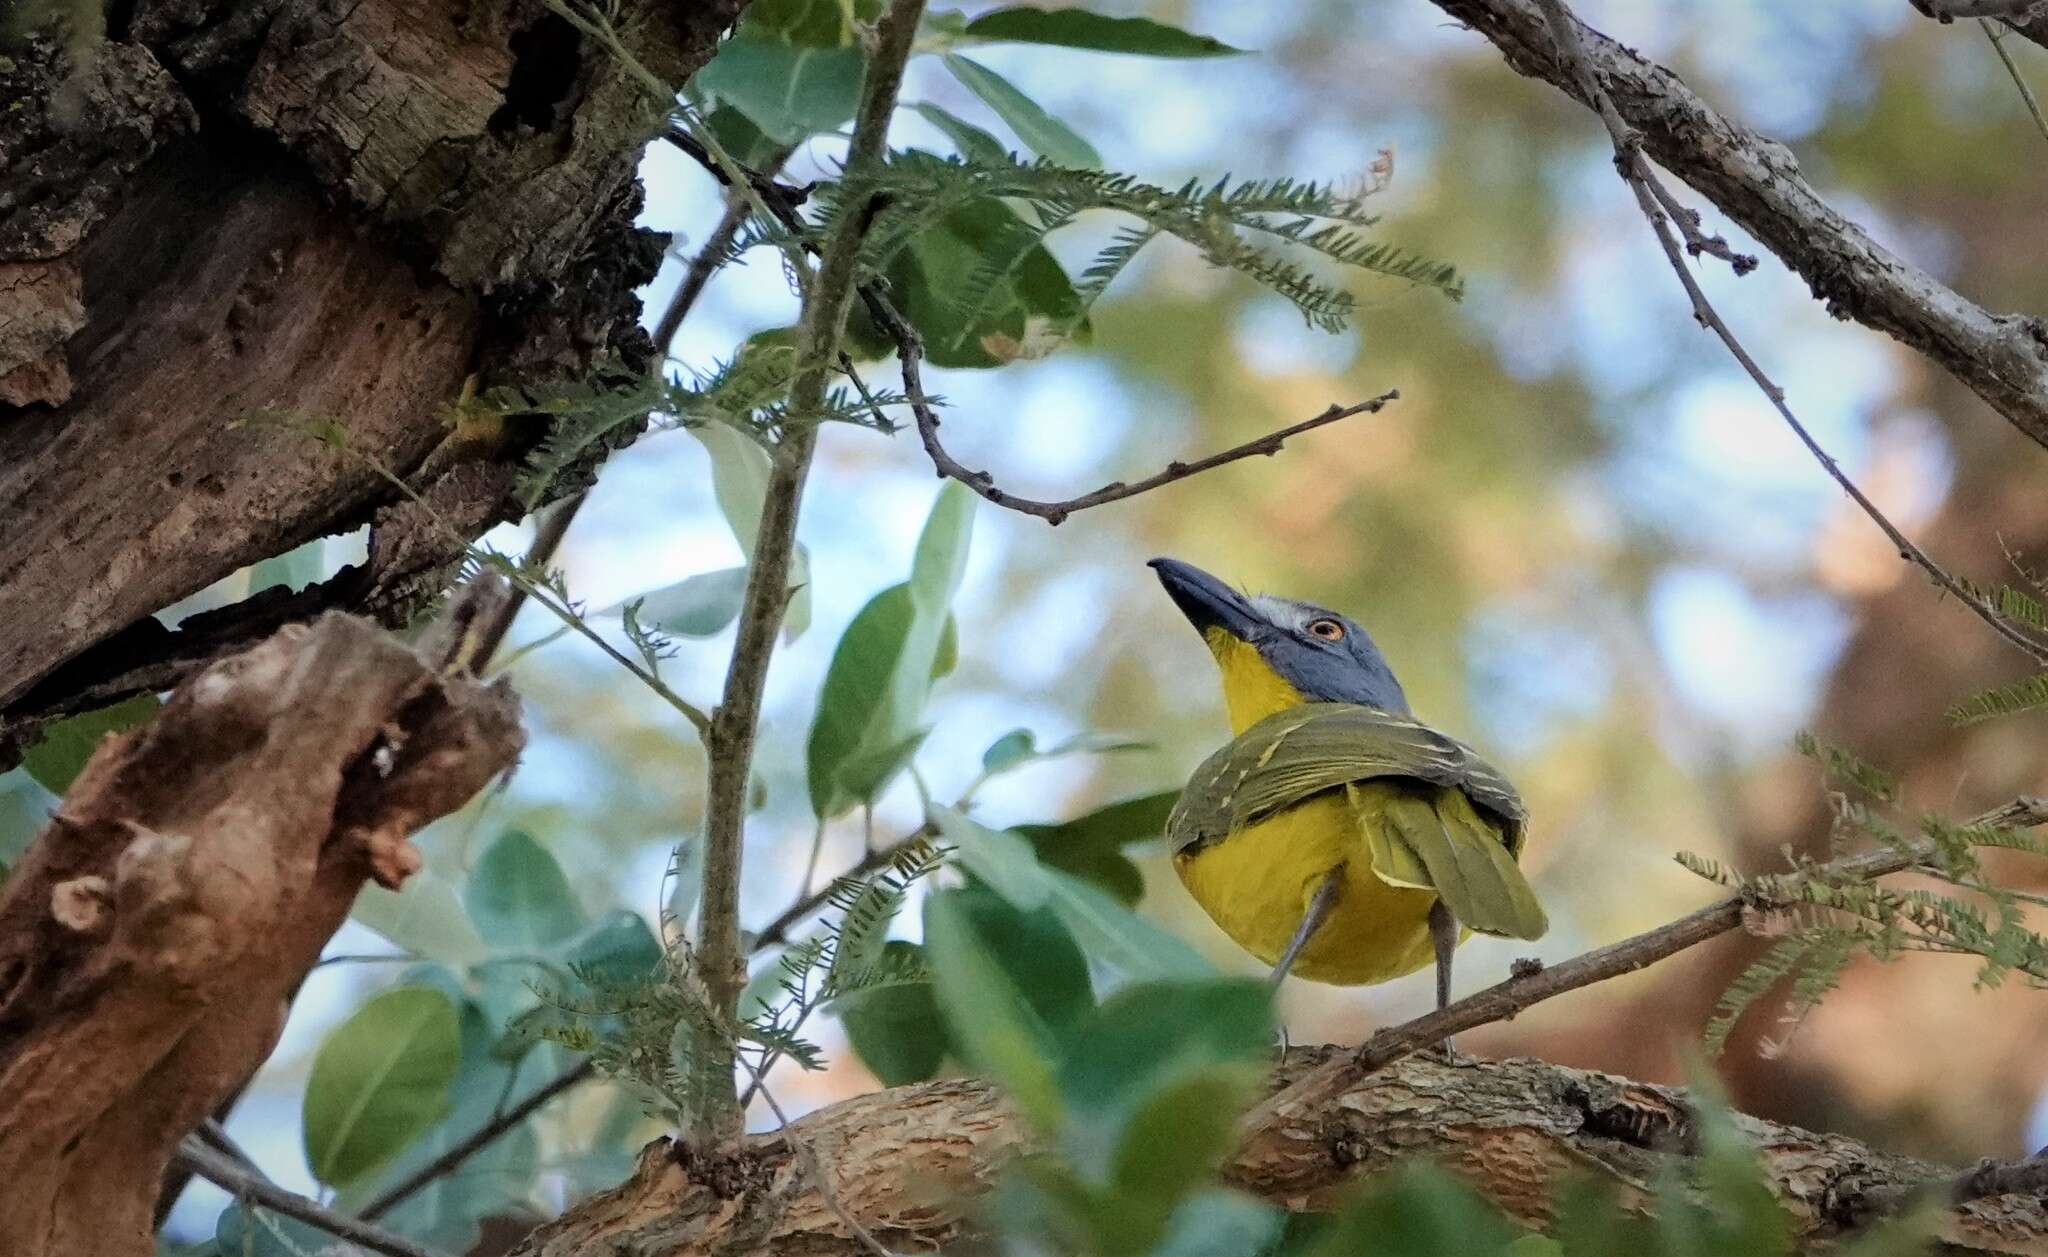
point(1337, 837)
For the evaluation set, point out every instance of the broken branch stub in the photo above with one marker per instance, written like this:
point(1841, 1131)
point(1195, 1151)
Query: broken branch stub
point(152, 935)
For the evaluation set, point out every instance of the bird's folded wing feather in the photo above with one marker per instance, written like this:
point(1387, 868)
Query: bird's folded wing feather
point(1433, 813)
point(1306, 750)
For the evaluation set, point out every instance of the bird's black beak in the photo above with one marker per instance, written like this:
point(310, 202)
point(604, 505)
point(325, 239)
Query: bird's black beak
point(1206, 601)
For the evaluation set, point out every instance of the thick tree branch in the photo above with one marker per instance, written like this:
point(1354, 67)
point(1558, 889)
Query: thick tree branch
point(154, 931)
point(720, 960)
point(1523, 990)
point(911, 1164)
point(1755, 180)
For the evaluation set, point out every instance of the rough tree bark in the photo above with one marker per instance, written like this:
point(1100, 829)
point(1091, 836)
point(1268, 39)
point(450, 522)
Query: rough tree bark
point(151, 937)
point(344, 210)
point(909, 1164)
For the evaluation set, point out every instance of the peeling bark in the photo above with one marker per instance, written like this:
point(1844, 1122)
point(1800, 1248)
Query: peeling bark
point(152, 935)
point(911, 1163)
point(335, 210)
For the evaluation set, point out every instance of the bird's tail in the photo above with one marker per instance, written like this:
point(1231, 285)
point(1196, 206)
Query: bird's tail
point(1431, 837)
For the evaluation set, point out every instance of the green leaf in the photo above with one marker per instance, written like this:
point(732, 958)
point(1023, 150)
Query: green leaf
point(519, 898)
point(57, 759)
point(872, 702)
point(496, 1178)
point(1154, 1080)
point(696, 606)
point(619, 949)
point(737, 135)
point(261, 1232)
point(1089, 847)
point(1002, 860)
point(1219, 1223)
point(982, 289)
point(895, 1028)
point(1016, 747)
point(1420, 1211)
point(2004, 700)
point(1112, 934)
point(426, 918)
point(739, 479)
point(1039, 956)
point(973, 143)
point(987, 1020)
point(1078, 28)
point(820, 23)
point(379, 1080)
point(1040, 131)
point(789, 91)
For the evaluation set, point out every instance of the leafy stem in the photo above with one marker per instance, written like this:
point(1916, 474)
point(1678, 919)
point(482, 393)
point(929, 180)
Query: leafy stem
point(720, 958)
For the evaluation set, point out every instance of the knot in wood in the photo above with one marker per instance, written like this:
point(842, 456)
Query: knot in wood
point(83, 905)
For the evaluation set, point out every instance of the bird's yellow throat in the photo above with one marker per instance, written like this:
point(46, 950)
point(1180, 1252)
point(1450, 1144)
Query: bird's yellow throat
point(1252, 691)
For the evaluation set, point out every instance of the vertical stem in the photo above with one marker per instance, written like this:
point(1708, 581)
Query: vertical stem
point(720, 960)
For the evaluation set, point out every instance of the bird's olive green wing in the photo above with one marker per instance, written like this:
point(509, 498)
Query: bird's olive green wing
point(1433, 813)
point(1306, 750)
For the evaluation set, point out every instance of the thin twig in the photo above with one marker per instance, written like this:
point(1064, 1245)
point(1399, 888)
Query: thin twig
point(1635, 170)
point(777, 930)
point(1946, 11)
point(2018, 80)
point(1527, 988)
point(730, 741)
point(247, 1184)
point(547, 538)
point(481, 1138)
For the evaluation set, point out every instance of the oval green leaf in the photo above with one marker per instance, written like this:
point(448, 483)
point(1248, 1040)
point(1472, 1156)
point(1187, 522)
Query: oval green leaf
point(380, 1079)
point(518, 896)
point(1040, 131)
point(1079, 28)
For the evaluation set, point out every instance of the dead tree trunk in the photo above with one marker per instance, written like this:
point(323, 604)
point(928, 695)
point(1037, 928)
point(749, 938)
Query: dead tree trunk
point(151, 938)
point(311, 209)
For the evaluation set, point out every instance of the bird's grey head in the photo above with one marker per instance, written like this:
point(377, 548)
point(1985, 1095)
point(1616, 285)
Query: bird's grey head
point(1324, 655)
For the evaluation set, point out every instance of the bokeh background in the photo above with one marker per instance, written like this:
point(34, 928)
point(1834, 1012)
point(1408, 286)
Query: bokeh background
point(1582, 537)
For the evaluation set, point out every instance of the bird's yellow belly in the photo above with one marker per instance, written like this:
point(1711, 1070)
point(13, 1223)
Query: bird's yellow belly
point(1256, 884)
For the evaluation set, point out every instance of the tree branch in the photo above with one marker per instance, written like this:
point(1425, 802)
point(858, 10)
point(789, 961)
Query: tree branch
point(452, 1159)
point(911, 1164)
point(1525, 989)
point(1661, 210)
point(246, 1183)
point(719, 958)
point(909, 356)
point(1755, 180)
point(1946, 11)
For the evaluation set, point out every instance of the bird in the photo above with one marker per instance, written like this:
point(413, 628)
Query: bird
point(1336, 837)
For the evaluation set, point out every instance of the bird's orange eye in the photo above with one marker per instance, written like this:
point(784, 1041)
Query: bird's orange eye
point(1328, 630)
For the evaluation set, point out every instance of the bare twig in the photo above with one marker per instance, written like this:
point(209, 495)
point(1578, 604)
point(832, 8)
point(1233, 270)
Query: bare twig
point(547, 538)
point(248, 1184)
point(777, 930)
point(1757, 183)
point(1652, 198)
point(481, 1138)
point(1991, 32)
point(1949, 10)
point(829, 295)
point(1528, 987)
